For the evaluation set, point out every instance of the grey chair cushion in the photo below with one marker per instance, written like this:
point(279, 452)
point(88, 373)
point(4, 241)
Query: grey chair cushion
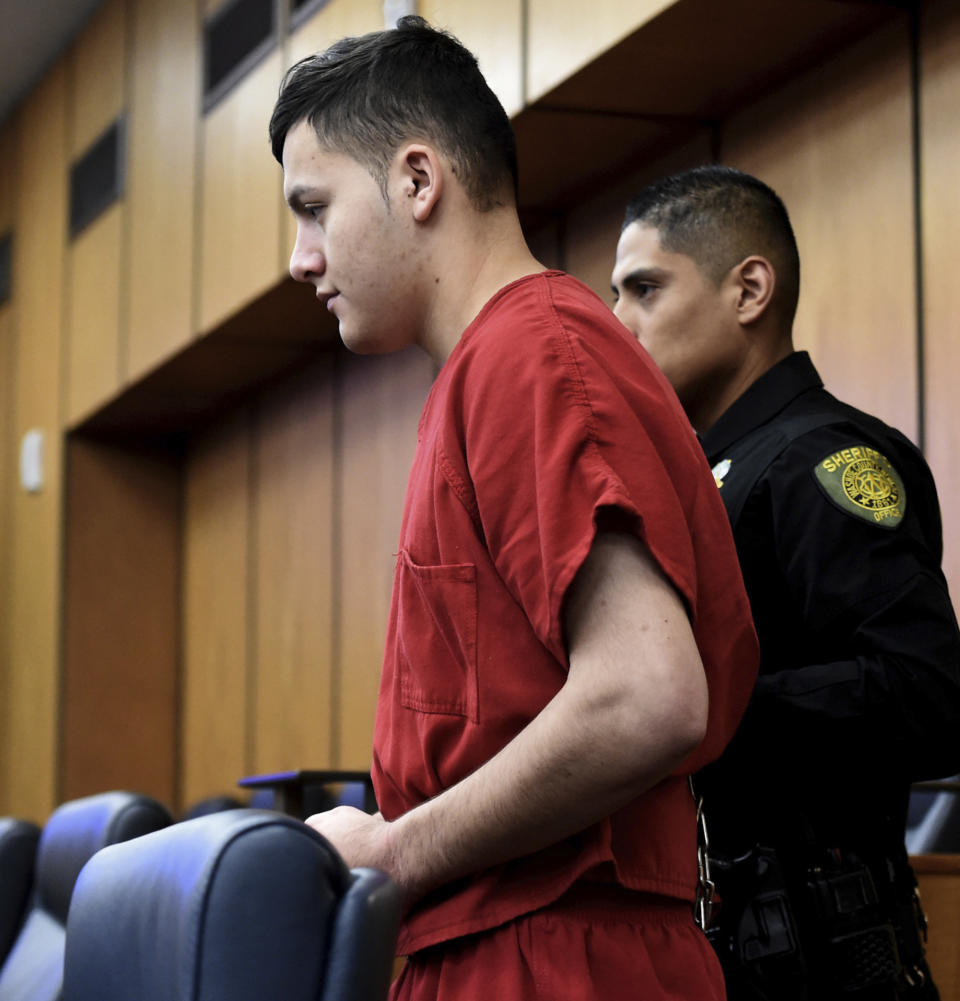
point(79, 829)
point(33, 970)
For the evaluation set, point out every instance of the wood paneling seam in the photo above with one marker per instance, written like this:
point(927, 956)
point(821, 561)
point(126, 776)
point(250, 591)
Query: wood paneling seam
point(196, 272)
point(917, 190)
point(126, 225)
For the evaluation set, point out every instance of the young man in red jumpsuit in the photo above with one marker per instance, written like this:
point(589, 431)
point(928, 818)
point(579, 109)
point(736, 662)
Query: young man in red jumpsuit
point(569, 637)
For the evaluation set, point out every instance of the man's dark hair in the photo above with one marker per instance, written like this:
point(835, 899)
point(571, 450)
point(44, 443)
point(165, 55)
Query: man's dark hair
point(366, 96)
point(718, 216)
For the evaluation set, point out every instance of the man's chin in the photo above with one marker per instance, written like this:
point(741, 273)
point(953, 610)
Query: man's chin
point(367, 344)
point(357, 343)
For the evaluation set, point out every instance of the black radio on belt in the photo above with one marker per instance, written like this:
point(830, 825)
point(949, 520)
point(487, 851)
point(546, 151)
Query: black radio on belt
point(828, 934)
point(853, 943)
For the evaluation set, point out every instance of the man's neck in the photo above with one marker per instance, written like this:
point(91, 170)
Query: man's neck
point(480, 260)
point(767, 353)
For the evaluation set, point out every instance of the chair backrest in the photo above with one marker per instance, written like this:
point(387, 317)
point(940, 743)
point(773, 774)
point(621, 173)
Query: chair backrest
point(241, 905)
point(33, 970)
point(18, 853)
point(211, 804)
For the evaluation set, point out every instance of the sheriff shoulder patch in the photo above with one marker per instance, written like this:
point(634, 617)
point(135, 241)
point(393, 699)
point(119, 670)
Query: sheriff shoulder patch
point(863, 483)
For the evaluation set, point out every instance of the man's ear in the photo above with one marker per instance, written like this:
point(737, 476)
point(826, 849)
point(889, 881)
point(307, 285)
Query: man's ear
point(421, 178)
point(756, 281)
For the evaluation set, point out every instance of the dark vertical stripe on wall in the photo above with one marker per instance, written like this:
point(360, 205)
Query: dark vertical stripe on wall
point(6, 267)
point(917, 164)
point(126, 221)
point(236, 37)
point(97, 179)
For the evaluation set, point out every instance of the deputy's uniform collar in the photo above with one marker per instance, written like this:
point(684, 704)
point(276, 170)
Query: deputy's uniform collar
point(763, 400)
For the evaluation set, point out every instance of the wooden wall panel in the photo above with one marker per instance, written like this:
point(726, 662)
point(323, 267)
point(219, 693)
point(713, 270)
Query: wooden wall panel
point(940, 153)
point(215, 717)
point(121, 636)
point(293, 576)
point(493, 31)
point(93, 315)
point(30, 729)
point(563, 36)
point(938, 877)
point(95, 256)
point(836, 146)
point(9, 477)
point(97, 67)
point(162, 130)
point(242, 195)
point(9, 474)
point(8, 179)
point(381, 399)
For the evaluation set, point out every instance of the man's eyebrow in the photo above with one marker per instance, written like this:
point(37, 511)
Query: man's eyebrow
point(296, 196)
point(641, 276)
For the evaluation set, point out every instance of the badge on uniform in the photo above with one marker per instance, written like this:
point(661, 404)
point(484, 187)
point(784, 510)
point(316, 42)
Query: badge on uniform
point(862, 482)
point(720, 470)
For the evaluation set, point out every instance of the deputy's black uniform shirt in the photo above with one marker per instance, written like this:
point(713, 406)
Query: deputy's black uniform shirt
point(839, 540)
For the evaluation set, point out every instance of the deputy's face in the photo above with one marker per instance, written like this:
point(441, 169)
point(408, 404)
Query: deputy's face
point(350, 246)
point(675, 311)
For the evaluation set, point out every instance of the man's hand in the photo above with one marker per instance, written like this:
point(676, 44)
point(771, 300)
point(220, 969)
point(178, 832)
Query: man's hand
point(361, 840)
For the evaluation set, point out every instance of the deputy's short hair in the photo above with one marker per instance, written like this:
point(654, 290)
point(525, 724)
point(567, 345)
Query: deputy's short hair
point(719, 216)
point(366, 96)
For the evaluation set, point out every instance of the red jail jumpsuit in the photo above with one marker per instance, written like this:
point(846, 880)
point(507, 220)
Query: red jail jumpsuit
point(546, 422)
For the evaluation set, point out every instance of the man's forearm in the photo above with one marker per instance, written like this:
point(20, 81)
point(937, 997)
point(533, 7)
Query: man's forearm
point(568, 769)
point(633, 706)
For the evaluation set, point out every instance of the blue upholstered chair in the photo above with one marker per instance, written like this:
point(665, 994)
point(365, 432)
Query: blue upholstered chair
point(241, 905)
point(18, 853)
point(33, 969)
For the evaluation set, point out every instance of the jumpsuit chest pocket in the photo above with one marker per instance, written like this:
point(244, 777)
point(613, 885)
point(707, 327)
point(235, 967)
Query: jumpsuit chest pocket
point(437, 634)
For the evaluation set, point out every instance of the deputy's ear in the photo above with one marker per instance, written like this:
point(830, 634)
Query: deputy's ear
point(756, 281)
point(421, 178)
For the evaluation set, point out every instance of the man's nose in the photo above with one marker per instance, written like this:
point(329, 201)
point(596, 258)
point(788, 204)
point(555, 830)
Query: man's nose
point(306, 262)
point(626, 317)
point(620, 312)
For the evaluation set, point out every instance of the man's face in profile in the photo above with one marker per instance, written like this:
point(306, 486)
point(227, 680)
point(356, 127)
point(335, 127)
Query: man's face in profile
point(674, 310)
point(352, 246)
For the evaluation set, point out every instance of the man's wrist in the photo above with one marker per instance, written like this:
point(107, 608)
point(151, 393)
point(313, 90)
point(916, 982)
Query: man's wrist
point(396, 860)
